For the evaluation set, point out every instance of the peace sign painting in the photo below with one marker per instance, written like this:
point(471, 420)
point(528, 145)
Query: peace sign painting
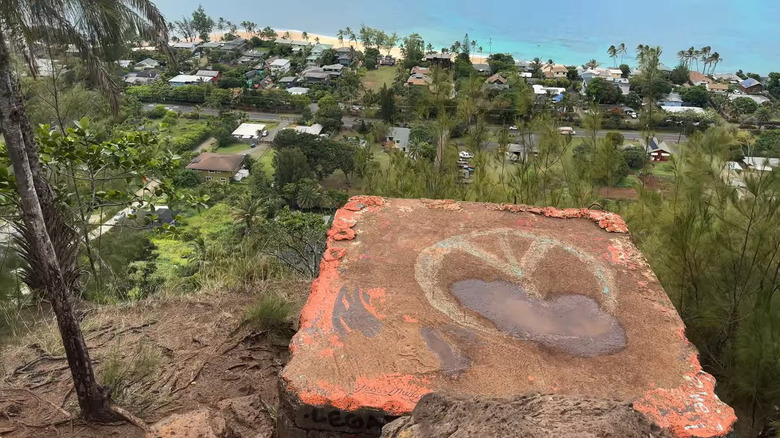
point(420, 296)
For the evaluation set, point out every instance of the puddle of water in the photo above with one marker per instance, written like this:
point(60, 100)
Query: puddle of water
point(575, 324)
point(452, 361)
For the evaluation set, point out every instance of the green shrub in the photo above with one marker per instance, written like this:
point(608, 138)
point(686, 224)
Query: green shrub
point(271, 313)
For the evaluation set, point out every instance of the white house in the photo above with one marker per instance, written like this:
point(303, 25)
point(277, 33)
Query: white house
point(146, 64)
point(762, 164)
point(540, 89)
point(295, 91)
point(314, 129)
point(179, 80)
point(280, 66)
point(249, 131)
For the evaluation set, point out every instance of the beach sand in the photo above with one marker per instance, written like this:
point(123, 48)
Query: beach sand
point(325, 39)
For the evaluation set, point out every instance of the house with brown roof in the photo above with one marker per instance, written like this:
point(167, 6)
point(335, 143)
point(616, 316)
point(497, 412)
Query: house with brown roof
point(697, 78)
point(496, 79)
point(554, 71)
point(717, 88)
point(219, 167)
point(419, 77)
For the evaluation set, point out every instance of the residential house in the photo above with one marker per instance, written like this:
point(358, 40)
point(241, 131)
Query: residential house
point(524, 66)
point(146, 64)
point(751, 86)
point(334, 70)
point(386, 60)
point(443, 60)
point(664, 68)
point(186, 45)
point(142, 77)
point(315, 129)
point(615, 73)
point(180, 80)
point(287, 82)
point(235, 45)
point(717, 88)
point(420, 70)
point(398, 138)
point(418, 79)
point(250, 132)
point(554, 71)
point(483, 69)
point(731, 78)
point(697, 78)
point(219, 167)
point(211, 75)
point(761, 164)
point(659, 150)
point(671, 99)
point(211, 45)
point(682, 109)
point(318, 49)
point(516, 152)
point(496, 83)
point(589, 74)
point(345, 59)
point(254, 54)
point(316, 76)
point(280, 66)
point(125, 63)
point(296, 44)
point(551, 91)
point(297, 91)
point(623, 83)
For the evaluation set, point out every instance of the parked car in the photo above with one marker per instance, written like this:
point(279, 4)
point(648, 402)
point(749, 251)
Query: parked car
point(466, 155)
point(513, 128)
point(566, 130)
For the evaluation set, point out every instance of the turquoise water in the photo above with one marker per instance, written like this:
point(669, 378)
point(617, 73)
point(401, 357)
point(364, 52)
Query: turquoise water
point(744, 32)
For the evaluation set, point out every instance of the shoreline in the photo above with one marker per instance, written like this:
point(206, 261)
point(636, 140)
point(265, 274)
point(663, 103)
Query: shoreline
point(328, 39)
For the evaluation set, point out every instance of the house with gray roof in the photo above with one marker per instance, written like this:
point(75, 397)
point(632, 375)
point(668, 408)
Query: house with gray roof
point(399, 138)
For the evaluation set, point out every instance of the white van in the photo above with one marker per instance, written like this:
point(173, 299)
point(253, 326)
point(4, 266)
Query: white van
point(566, 130)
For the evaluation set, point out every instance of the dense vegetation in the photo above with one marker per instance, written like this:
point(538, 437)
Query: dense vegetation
point(714, 243)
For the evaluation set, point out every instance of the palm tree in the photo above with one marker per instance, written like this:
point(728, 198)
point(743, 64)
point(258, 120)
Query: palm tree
point(622, 50)
point(592, 64)
point(98, 31)
point(429, 48)
point(704, 54)
point(317, 39)
point(246, 25)
point(286, 35)
point(473, 46)
point(715, 60)
point(305, 36)
point(479, 49)
point(221, 24)
point(683, 57)
point(764, 115)
point(613, 53)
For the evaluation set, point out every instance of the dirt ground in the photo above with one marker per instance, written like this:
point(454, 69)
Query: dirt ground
point(172, 355)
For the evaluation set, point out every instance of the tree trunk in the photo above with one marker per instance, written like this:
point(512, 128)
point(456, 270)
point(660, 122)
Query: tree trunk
point(36, 196)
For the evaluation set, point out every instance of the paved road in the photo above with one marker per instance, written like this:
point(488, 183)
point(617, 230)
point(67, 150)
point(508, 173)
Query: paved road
point(668, 137)
point(111, 222)
point(349, 121)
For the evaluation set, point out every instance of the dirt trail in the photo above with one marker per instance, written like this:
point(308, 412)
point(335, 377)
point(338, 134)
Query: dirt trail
point(177, 354)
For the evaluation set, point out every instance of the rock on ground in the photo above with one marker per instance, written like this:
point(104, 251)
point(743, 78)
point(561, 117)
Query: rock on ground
point(202, 423)
point(241, 417)
point(533, 416)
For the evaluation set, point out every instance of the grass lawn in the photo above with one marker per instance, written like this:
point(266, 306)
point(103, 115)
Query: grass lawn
point(374, 79)
point(235, 148)
point(266, 160)
point(662, 170)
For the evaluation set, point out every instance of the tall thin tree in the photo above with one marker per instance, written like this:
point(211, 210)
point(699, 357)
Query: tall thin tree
point(98, 32)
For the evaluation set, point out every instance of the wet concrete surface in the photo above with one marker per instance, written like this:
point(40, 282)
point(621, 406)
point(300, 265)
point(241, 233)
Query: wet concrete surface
point(574, 324)
point(453, 362)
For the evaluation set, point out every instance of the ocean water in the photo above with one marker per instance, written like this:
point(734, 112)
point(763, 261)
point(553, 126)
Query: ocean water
point(744, 32)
